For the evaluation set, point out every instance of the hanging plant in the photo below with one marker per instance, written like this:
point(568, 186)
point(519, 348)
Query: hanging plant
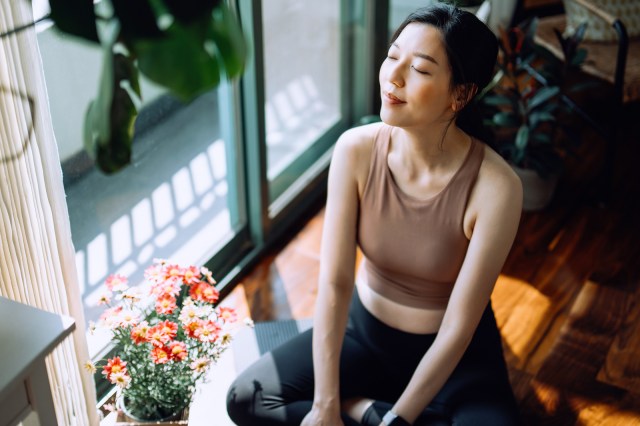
point(186, 46)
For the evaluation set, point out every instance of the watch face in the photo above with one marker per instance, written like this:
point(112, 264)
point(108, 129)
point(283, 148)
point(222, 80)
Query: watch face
point(390, 418)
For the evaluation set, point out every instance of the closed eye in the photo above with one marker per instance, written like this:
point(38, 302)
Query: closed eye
point(421, 72)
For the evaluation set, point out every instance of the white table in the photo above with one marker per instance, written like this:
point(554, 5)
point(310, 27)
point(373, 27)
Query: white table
point(27, 336)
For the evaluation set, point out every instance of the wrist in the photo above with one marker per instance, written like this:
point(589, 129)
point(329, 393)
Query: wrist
point(326, 404)
point(393, 419)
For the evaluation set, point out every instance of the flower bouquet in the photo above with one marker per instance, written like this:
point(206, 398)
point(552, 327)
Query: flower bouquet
point(166, 341)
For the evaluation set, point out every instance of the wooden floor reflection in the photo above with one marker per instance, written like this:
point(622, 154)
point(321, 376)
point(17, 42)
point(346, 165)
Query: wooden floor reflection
point(567, 302)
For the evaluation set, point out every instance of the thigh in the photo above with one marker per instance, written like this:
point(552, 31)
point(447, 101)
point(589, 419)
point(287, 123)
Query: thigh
point(281, 375)
point(477, 397)
point(478, 392)
point(285, 374)
point(263, 392)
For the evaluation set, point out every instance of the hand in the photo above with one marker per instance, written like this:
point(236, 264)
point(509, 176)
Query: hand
point(316, 417)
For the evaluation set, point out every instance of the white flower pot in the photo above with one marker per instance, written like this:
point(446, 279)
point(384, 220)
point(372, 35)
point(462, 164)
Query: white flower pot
point(537, 191)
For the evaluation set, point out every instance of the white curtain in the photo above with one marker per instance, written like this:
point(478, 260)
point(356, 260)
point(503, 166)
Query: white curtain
point(37, 264)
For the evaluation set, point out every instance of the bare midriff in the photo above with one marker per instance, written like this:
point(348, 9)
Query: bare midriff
point(405, 318)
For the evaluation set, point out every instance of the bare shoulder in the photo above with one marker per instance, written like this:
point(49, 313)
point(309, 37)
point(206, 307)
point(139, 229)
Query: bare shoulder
point(498, 182)
point(358, 140)
point(353, 151)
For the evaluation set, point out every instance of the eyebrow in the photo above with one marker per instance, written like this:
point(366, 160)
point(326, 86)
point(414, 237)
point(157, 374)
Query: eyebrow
point(420, 55)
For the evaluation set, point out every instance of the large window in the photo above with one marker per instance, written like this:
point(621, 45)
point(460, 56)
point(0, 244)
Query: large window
point(302, 68)
point(206, 175)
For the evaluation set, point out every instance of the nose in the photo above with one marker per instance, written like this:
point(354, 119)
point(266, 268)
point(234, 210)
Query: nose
point(394, 72)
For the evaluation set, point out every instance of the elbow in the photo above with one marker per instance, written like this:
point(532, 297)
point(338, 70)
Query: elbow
point(457, 335)
point(340, 282)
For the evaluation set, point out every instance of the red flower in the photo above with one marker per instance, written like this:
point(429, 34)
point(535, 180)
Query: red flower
point(111, 312)
point(227, 314)
point(208, 331)
point(204, 292)
point(154, 273)
point(140, 332)
point(191, 327)
point(160, 355)
point(166, 304)
point(191, 275)
point(169, 328)
point(177, 351)
point(162, 333)
point(116, 282)
point(174, 271)
point(169, 286)
point(114, 365)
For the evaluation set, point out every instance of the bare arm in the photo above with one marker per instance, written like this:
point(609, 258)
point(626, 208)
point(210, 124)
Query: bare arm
point(336, 280)
point(495, 228)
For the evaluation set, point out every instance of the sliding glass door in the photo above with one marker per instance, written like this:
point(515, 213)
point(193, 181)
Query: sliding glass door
point(216, 180)
point(303, 80)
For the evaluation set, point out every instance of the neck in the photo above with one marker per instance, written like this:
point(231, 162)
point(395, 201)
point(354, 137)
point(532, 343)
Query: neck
point(429, 148)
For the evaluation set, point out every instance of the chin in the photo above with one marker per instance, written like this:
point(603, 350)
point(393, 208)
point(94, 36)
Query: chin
point(388, 117)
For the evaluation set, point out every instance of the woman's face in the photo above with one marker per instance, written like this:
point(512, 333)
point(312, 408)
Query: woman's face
point(415, 79)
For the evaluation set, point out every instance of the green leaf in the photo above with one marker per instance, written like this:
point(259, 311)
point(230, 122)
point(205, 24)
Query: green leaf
point(493, 83)
point(542, 96)
point(226, 34)
point(580, 31)
point(191, 58)
point(535, 118)
point(517, 157)
point(109, 121)
point(179, 62)
point(543, 138)
point(96, 126)
point(75, 17)
point(497, 100)
point(522, 137)
point(579, 57)
point(506, 119)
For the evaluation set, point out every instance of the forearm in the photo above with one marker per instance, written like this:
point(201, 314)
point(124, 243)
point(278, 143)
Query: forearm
point(330, 321)
point(432, 373)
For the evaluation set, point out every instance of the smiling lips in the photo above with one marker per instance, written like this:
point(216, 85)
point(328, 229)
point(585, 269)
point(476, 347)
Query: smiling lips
point(390, 98)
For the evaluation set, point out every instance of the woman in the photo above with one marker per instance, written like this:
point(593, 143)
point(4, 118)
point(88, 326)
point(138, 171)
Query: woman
point(435, 213)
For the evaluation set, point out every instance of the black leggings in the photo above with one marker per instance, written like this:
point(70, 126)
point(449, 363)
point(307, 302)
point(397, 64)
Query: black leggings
point(377, 362)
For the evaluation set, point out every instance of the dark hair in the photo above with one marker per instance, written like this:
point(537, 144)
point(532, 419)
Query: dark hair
point(472, 50)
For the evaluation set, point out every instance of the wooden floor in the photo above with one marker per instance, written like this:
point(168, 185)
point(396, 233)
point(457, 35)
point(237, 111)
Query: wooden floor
point(567, 302)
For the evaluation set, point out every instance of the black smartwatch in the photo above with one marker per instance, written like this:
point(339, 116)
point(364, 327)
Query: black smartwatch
point(392, 419)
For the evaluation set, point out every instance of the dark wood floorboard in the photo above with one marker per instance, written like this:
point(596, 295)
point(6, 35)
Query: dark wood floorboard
point(567, 302)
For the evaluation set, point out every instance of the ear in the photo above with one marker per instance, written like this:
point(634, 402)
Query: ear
point(463, 93)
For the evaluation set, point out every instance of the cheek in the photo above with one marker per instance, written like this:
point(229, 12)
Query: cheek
point(382, 73)
point(390, 71)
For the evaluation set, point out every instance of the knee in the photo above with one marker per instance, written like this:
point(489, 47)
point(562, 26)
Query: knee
point(241, 401)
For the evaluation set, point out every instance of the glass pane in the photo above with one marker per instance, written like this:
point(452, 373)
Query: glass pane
point(173, 202)
point(302, 46)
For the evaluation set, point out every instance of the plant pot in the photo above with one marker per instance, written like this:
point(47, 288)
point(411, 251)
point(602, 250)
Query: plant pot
point(537, 192)
point(125, 418)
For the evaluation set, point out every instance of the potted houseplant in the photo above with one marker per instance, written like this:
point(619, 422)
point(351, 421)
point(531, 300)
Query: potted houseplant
point(523, 106)
point(186, 46)
point(165, 342)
